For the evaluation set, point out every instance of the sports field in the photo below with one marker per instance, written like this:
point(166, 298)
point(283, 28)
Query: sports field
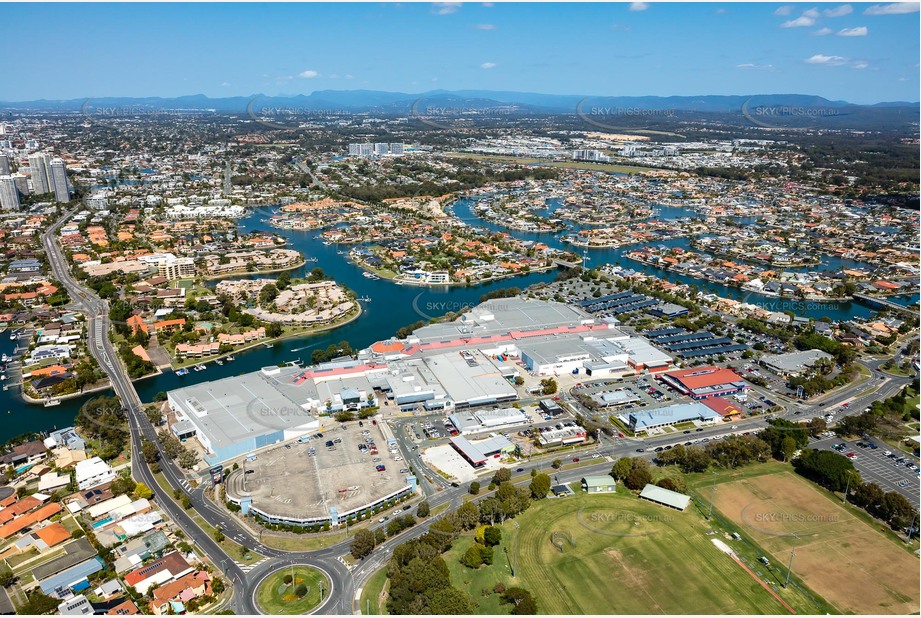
point(616, 554)
point(842, 558)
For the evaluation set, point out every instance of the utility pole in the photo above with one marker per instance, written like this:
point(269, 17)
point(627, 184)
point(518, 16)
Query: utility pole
point(712, 496)
point(790, 566)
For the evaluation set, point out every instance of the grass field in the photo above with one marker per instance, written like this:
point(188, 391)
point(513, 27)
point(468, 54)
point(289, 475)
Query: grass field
point(620, 555)
point(371, 594)
point(307, 541)
point(837, 553)
point(275, 597)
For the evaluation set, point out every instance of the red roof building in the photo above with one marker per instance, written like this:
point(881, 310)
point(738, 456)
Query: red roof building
point(705, 382)
point(725, 408)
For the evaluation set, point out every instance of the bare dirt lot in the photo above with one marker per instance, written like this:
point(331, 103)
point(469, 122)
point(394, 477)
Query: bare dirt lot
point(840, 557)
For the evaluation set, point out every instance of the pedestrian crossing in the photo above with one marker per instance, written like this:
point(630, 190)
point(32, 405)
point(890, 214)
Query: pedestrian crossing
point(186, 485)
point(246, 568)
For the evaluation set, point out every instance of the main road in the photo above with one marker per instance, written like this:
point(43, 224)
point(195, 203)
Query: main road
point(344, 582)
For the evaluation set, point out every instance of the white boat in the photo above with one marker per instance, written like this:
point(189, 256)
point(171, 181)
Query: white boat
point(53, 402)
point(230, 359)
point(311, 260)
point(219, 362)
point(182, 372)
point(4, 358)
point(366, 299)
point(199, 367)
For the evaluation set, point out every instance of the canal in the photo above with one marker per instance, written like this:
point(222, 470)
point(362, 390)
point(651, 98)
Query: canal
point(393, 306)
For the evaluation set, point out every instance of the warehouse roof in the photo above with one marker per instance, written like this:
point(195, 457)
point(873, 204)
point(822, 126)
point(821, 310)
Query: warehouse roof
point(235, 409)
point(665, 496)
point(794, 361)
point(602, 480)
point(704, 377)
point(480, 450)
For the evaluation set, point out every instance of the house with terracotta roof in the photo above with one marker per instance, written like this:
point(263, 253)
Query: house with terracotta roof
point(53, 534)
point(169, 567)
point(179, 592)
point(126, 608)
point(24, 521)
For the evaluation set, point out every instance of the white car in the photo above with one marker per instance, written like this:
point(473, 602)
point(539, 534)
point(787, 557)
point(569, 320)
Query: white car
point(398, 458)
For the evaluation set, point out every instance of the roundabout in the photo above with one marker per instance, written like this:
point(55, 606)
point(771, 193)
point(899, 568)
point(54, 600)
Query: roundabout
point(293, 589)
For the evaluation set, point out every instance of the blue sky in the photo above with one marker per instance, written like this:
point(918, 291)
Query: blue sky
point(863, 53)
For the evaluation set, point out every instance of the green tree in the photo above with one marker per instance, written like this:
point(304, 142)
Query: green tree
point(149, 451)
point(362, 544)
point(540, 486)
point(472, 558)
point(474, 488)
point(423, 509)
point(638, 477)
point(492, 536)
point(467, 516)
point(622, 468)
point(502, 475)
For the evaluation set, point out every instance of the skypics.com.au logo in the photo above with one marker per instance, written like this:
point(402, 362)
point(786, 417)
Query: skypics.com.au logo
point(285, 117)
point(626, 119)
point(787, 116)
point(101, 114)
point(450, 116)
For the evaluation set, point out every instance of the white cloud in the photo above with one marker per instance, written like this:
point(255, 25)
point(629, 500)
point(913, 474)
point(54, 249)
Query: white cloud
point(721, 11)
point(488, 65)
point(860, 64)
point(750, 66)
point(813, 13)
point(897, 8)
point(833, 61)
point(446, 8)
point(839, 11)
point(308, 74)
point(858, 31)
point(347, 76)
point(225, 84)
point(784, 10)
point(485, 27)
point(639, 6)
point(488, 5)
point(800, 22)
point(823, 32)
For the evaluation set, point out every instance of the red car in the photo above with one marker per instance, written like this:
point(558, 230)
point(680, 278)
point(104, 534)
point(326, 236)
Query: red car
point(575, 459)
point(620, 435)
point(845, 405)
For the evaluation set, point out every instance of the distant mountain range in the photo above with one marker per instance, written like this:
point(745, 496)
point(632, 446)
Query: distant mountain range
point(354, 101)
